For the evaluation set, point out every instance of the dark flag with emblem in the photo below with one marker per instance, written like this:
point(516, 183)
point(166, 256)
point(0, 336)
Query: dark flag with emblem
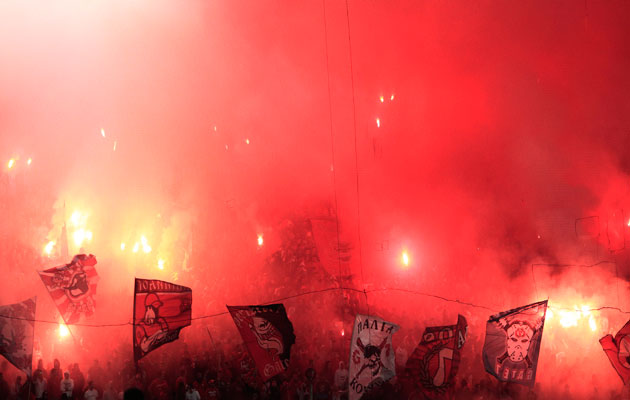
point(268, 336)
point(17, 326)
point(618, 351)
point(433, 364)
point(372, 360)
point(72, 287)
point(160, 310)
point(512, 344)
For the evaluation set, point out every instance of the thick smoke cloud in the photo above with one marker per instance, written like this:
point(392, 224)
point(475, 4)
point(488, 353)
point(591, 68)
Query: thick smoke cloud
point(203, 125)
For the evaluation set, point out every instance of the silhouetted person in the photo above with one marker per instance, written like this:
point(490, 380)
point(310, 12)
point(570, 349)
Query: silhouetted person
point(133, 394)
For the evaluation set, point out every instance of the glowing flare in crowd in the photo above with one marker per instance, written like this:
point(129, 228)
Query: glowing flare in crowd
point(122, 246)
point(102, 132)
point(115, 143)
point(78, 219)
point(136, 247)
point(63, 330)
point(569, 318)
point(81, 235)
point(592, 324)
point(392, 98)
point(260, 240)
point(246, 141)
point(405, 258)
point(145, 244)
point(29, 161)
point(49, 247)
point(382, 99)
point(378, 122)
point(160, 264)
point(11, 163)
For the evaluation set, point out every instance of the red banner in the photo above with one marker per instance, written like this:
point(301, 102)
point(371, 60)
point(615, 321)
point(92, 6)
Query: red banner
point(161, 309)
point(72, 287)
point(433, 365)
point(618, 351)
point(268, 335)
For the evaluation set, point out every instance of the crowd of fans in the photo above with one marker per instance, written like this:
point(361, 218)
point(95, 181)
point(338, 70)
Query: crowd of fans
point(200, 367)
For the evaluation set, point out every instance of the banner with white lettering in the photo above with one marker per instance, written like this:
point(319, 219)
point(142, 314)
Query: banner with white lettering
point(371, 355)
point(433, 365)
point(512, 344)
point(161, 309)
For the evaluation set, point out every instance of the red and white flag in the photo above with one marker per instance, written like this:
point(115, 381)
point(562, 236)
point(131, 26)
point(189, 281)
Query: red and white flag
point(17, 326)
point(372, 360)
point(72, 287)
point(618, 351)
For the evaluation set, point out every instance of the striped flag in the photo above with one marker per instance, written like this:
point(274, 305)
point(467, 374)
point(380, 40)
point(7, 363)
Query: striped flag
point(72, 287)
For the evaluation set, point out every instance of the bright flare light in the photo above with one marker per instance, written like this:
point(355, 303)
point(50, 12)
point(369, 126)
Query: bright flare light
point(405, 258)
point(136, 247)
point(569, 318)
point(49, 247)
point(102, 132)
point(260, 240)
point(115, 143)
point(378, 122)
point(161, 264)
point(246, 141)
point(11, 163)
point(77, 219)
point(145, 244)
point(122, 246)
point(382, 99)
point(63, 330)
point(81, 235)
point(29, 161)
point(592, 324)
point(392, 98)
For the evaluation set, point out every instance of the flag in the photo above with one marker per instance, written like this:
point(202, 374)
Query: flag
point(371, 355)
point(17, 325)
point(433, 364)
point(160, 310)
point(268, 336)
point(618, 351)
point(72, 287)
point(512, 344)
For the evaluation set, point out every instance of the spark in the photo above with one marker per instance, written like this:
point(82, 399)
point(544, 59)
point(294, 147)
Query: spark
point(115, 143)
point(549, 314)
point(260, 240)
point(63, 330)
point(405, 258)
point(246, 141)
point(136, 247)
point(215, 128)
point(29, 161)
point(378, 122)
point(343, 333)
point(11, 163)
point(122, 246)
point(160, 264)
point(102, 132)
point(391, 98)
point(629, 222)
point(49, 247)
point(382, 99)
